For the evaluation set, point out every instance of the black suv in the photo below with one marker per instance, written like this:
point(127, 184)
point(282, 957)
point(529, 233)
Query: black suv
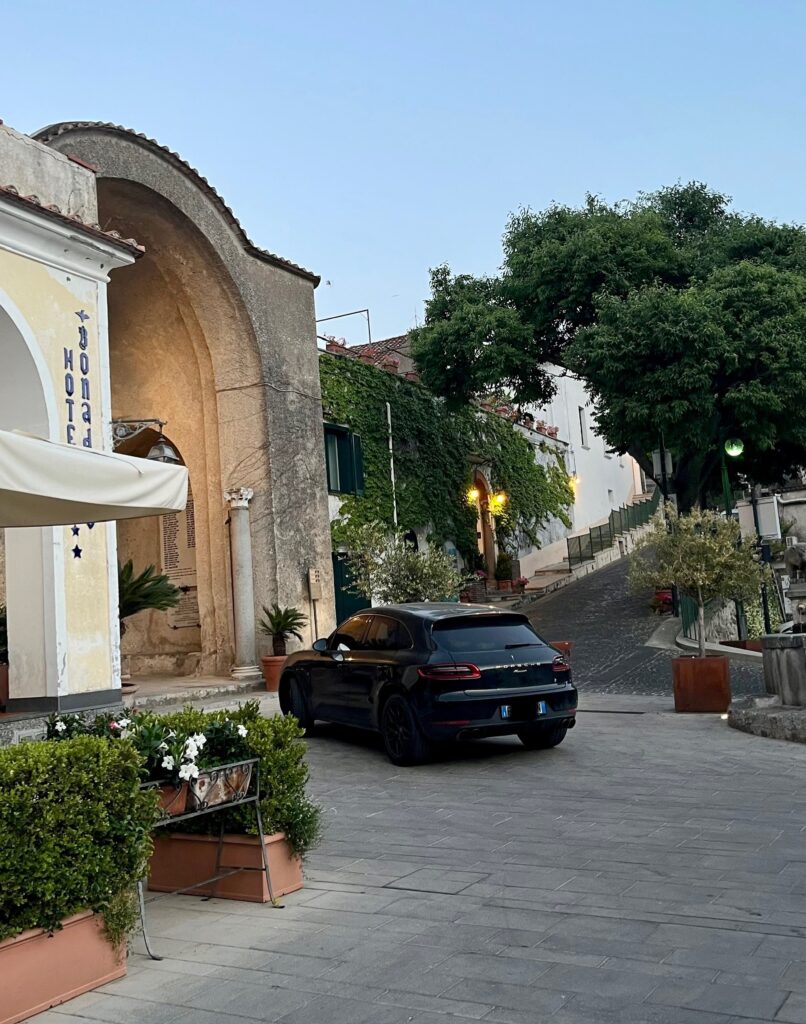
point(419, 673)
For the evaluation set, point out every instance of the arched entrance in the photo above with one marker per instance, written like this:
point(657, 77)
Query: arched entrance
point(35, 603)
point(170, 319)
point(485, 533)
point(216, 338)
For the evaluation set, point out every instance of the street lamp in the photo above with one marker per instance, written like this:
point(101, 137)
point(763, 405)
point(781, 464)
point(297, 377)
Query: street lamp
point(733, 447)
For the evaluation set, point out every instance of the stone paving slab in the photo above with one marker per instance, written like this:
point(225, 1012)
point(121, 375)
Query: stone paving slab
point(648, 871)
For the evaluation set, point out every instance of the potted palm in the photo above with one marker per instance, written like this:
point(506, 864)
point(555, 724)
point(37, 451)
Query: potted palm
point(701, 554)
point(148, 590)
point(280, 624)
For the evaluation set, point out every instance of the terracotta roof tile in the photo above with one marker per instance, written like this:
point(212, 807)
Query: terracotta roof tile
point(13, 193)
point(380, 350)
point(66, 127)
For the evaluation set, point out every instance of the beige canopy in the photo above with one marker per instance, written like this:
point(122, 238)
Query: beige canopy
point(43, 483)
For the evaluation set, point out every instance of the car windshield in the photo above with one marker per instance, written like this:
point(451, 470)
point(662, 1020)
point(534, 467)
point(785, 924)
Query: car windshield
point(493, 633)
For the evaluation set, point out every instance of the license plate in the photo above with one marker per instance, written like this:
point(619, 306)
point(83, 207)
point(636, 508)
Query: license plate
point(542, 707)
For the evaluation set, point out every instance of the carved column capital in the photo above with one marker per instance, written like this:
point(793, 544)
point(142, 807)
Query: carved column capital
point(239, 497)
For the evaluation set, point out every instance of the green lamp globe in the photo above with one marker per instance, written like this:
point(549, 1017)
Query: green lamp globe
point(734, 447)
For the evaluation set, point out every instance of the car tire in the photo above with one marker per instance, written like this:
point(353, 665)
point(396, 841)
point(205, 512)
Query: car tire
point(298, 705)
point(402, 737)
point(541, 737)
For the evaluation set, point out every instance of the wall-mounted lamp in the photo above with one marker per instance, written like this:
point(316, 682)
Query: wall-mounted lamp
point(473, 495)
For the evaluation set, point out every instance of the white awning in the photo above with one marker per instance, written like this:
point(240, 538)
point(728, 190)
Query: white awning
point(43, 483)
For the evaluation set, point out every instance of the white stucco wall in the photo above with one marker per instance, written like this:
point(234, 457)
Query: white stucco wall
point(602, 481)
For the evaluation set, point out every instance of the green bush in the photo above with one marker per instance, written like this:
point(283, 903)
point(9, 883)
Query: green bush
point(285, 805)
point(75, 833)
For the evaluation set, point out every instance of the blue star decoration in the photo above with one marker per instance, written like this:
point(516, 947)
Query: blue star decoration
point(90, 525)
point(76, 552)
point(75, 530)
point(82, 316)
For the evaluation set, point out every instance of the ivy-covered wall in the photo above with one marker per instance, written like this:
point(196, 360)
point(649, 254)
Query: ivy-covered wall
point(435, 450)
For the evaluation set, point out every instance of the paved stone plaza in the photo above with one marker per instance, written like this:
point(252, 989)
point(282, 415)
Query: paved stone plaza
point(651, 870)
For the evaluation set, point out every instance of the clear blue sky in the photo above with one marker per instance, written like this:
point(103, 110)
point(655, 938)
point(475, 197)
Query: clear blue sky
point(371, 141)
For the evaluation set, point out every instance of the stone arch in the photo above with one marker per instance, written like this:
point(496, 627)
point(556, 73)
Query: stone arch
point(485, 532)
point(217, 338)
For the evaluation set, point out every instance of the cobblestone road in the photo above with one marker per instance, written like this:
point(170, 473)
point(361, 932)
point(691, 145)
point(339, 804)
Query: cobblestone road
point(609, 627)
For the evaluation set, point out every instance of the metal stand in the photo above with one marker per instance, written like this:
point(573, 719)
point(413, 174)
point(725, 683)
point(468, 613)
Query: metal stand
point(254, 799)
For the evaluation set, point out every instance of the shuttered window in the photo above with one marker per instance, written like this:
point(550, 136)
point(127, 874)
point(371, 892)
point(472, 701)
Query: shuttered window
point(344, 459)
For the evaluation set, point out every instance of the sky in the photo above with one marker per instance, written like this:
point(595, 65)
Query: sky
point(373, 141)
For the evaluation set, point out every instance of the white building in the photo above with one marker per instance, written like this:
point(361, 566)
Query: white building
point(603, 480)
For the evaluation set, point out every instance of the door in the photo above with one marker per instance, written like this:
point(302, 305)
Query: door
point(348, 601)
point(327, 676)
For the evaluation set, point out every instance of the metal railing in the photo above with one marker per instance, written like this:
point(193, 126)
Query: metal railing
point(598, 538)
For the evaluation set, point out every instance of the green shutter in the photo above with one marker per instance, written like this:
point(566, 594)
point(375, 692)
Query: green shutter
point(358, 464)
point(346, 470)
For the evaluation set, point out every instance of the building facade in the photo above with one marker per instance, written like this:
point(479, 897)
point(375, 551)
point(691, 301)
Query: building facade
point(208, 342)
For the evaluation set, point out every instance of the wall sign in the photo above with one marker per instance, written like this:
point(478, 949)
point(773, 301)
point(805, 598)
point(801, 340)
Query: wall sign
point(77, 387)
point(178, 556)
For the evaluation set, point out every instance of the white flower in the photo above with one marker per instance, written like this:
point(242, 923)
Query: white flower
point(191, 750)
point(242, 730)
point(60, 726)
point(125, 734)
point(168, 762)
point(123, 722)
point(171, 734)
point(199, 739)
point(163, 746)
point(188, 771)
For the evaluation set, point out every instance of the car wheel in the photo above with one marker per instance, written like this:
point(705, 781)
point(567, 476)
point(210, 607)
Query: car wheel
point(541, 737)
point(298, 705)
point(402, 736)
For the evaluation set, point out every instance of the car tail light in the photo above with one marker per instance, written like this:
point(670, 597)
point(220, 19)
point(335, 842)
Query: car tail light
point(560, 665)
point(449, 673)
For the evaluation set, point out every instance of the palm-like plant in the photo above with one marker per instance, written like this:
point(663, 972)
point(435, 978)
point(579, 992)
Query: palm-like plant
point(280, 624)
point(149, 589)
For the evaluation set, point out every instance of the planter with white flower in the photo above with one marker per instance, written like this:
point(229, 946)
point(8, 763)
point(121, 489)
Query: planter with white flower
point(206, 759)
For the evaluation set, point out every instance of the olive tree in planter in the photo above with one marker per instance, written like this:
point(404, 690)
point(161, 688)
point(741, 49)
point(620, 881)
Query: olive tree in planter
point(280, 624)
point(702, 556)
point(387, 569)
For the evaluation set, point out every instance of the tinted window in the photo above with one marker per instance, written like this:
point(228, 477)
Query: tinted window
point(388, 635)
point(484, 634)
point(350, 633)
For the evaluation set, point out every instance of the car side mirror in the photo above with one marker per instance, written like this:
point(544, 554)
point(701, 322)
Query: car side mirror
point(320, 645)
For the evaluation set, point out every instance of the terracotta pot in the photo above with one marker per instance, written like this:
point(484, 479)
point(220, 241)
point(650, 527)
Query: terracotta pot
point(218, 786)
point(272, 668)
point(173, 799)
point(504, 584)
point(41, 970)
point(180, 860)
point(564, 647)
point(701, 684)
point(3, 687)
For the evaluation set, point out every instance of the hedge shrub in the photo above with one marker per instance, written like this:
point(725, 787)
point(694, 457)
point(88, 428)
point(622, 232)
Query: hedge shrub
point(75, 833)
point(285, 806)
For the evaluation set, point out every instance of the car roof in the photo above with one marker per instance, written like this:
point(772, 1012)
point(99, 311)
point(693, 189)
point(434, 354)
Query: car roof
point(435, 611)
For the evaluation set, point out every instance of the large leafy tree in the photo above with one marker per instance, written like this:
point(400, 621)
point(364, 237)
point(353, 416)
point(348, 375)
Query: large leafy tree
point(683, 316)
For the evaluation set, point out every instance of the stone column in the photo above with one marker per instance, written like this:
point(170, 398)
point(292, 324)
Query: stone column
point(243, 586)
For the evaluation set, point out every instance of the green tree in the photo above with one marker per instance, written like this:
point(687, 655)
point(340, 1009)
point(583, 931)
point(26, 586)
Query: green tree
point(389, 570)
point(680, 314)
point(701, 555)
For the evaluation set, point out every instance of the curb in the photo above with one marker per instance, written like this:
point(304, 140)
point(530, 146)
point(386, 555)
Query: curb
point(736, 653)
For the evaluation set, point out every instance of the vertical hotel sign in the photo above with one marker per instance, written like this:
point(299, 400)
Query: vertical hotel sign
point(77, 391)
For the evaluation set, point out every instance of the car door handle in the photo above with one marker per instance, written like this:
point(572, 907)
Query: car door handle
point(524, 668)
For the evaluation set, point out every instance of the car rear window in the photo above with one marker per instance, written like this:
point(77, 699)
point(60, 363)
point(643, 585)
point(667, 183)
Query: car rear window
point(484, 634)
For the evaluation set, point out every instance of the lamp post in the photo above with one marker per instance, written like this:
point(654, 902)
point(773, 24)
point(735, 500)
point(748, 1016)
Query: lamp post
point(733, 447)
